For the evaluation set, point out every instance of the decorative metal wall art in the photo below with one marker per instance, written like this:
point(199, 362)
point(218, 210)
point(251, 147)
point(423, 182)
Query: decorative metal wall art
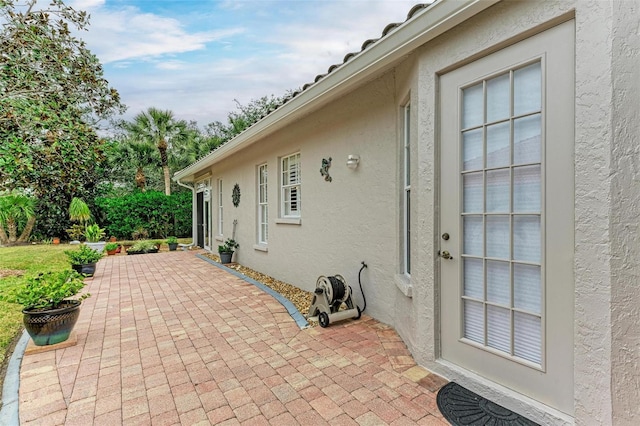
point(324, 170)
point(235, 195)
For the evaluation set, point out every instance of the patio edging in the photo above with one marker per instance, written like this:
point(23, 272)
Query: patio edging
point(293, 311)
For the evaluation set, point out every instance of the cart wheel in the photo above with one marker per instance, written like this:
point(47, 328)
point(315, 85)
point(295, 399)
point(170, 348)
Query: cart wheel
point(323, 319)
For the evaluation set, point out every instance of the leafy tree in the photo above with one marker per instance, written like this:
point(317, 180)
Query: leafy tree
point(161, 129)
point(243, 118)
point(16, 209)
point(52, 95)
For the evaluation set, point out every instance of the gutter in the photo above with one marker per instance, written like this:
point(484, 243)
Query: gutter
point(374, 58)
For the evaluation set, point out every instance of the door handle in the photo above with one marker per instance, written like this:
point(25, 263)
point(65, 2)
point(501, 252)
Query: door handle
point(445, 255)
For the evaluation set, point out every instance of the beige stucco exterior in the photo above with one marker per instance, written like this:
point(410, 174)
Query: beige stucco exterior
point(357, 216)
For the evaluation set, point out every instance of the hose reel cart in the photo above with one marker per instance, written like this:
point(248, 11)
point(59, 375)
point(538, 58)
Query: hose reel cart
point(332, 300)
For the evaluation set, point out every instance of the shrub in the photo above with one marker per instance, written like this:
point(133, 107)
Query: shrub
point(160, 215)
point(46, 290)
point(83, 256)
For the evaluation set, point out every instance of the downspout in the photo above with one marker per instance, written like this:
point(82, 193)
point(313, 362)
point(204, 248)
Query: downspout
point(193, 203)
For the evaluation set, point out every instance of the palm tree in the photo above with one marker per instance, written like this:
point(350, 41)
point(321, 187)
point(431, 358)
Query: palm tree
point(161, 129)
point(16, 208)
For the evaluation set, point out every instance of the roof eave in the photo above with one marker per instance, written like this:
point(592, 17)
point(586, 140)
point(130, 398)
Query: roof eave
point(427, 24)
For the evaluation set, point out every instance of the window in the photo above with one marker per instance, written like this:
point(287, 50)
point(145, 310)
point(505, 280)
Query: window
point(290, 197)
point(220, 222)
point(263, 207)
point(502, 212)
point(406, 192)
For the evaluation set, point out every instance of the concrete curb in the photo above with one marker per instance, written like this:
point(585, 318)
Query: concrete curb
point(293, 311)
point(10, 415)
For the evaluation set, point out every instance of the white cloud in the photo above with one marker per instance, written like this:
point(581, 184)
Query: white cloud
point(148, 65)
point(131, 34)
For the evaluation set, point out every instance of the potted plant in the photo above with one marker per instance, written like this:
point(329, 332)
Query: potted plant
point(49, 314)
point(172, 242)
point(84, 259)
point(226, 250)
point(94, 235)
point(111, 248)
point(143, 247)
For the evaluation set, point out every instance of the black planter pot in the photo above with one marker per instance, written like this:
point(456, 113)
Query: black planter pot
point(48, 327)
point(225, 257)
point(173, 246)
point(86, 269)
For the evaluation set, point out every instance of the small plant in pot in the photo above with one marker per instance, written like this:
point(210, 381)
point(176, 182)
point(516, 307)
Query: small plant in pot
point(95, 235)
point(84, 259)
point(49, 313)
point(143, 247)
point(111, 248)
point(226, 250)
point(172, 242)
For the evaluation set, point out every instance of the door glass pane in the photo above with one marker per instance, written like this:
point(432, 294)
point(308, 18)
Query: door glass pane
point(526, 189)
point(473, 238)
point(527, 340)
point(473, 278)
point(498, 146)
point(474, 321)
point(498, 191)
point(472, 110)
point(526, 238)
point(472, 149)
point(498, 282)
point(527, 292)
point(527, 89)
point(526, 139)
point(499, 328)
point(472, 192)
point(498, 102)
point(498, 237)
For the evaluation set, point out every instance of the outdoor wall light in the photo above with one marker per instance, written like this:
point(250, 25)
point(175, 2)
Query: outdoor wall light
point(353, 161)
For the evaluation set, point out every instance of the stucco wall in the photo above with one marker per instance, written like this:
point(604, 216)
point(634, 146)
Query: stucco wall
point(357, 216)
point(343, 222)
point(625, 209)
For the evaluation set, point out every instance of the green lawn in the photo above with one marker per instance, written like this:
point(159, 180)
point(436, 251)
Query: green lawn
point(31, 259)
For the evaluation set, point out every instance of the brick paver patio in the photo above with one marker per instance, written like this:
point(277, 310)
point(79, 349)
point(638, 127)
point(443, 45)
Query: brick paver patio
point(170, 339)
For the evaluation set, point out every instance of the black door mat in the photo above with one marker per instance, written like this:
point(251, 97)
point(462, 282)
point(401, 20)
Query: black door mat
point(461, 407)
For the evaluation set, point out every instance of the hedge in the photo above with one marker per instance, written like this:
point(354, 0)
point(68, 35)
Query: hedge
point(153, 212)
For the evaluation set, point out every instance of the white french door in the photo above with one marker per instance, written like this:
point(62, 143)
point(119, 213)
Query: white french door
point(507, 217)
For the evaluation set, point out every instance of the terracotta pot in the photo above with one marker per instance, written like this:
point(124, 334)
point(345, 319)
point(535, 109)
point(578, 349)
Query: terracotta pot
point(113, 239)
point(56, 240)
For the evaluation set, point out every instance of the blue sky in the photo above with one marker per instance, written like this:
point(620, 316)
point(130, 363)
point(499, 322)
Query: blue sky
point(195, 57)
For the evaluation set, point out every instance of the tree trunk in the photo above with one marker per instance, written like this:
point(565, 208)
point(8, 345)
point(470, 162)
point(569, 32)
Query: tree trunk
point(167, 180)
point(26, 232)
point(13, 230)
point(162, 147)
point(4, 240)
point(141, 180)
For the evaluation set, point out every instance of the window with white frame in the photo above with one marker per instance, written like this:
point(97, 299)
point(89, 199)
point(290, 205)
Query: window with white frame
point(406, 192)
point(263, 207)
point(220, 208)
point(290, 195)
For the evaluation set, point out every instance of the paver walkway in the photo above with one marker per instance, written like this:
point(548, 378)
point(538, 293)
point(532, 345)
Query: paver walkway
point(170, 339)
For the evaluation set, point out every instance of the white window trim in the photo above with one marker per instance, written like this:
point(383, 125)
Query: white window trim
point(263, 205)
point(406, 190)
point(220, 210)
point(285, 186)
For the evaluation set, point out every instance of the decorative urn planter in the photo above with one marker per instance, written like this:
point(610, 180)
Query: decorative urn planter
point(97, 246)
point(51, 326)
point(85, 269)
